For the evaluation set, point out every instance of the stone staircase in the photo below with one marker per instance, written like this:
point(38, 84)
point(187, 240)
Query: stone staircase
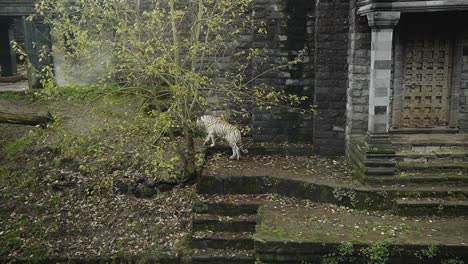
point(222, 232)
point(433, 152)
point(435, 168)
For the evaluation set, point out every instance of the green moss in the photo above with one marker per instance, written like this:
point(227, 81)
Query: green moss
point(376, 254)
point(13, 95)
point(431, 165)
point(17, 146)
point(428, 253)
point(267, 232)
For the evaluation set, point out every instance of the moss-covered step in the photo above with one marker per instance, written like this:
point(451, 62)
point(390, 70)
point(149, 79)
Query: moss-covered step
point(217, 256)
point(419, 206)
point(266, 148)
point(420, 179)
point(433, 156)
point(208, 222)
point(433, 166)
point(222, 240)
point(97, 260)
point(362, 197)
point(379, 163)
point(323, 233)
point(380, 171)
point(226, 209)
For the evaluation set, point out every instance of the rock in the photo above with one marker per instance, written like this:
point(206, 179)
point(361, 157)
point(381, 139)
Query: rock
point(143, 191)
point(151, 108)
point(165, 186)
point(121, 187)
point(141, 179)
point(150, 183)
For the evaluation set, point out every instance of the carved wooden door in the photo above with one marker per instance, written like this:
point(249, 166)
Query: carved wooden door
point(426, 80)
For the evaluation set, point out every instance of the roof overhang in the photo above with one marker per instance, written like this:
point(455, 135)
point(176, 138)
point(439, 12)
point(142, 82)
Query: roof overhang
point(16, 7)
point(368, 6)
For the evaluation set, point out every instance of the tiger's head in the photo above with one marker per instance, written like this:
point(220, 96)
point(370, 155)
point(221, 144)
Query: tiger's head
point(200, 122)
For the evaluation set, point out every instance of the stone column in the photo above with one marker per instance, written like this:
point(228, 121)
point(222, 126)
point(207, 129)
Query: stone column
point(382, 24)
point(380, 155)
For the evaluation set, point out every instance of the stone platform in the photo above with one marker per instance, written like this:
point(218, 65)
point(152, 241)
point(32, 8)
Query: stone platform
point(20, 86)
point(290, 230)
point(330, 180)
point(337, 217)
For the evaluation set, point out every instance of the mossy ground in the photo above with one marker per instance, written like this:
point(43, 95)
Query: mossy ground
point(332, 224)
point(57, 195)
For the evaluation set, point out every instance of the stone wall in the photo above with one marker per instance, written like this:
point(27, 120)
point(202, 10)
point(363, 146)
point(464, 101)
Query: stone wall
point(463, 117)
point(331, 42)
point(290, 27)
point(357, 107)
point(322, 28)
point(331, 38)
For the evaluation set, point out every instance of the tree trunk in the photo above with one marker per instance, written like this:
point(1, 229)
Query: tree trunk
point(190, 170)
point(26, 119)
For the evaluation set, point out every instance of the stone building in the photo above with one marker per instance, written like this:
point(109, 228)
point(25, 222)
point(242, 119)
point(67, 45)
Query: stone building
point(407, 85)
point(31, 35)
point(387, 77)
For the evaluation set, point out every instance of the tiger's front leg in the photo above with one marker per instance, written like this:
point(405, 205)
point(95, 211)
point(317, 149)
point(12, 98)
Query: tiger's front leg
point(207, 139)
point(235, 152)
point(212, 140)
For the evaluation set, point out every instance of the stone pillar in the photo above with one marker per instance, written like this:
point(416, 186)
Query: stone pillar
point(382, 24)
point(380, 155)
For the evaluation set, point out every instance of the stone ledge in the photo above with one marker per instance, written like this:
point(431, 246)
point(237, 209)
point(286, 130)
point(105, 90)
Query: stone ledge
point(360, 197)
point(294, 252)
point(414, 6)
point(97, 260)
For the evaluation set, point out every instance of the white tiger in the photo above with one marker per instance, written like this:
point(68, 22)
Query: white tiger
point(217, 127)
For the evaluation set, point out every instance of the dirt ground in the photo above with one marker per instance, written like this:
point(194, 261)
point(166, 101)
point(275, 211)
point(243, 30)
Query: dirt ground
point(52, 204)
point(306, 168)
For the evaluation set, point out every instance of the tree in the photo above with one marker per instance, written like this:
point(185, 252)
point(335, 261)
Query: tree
point(178, 53)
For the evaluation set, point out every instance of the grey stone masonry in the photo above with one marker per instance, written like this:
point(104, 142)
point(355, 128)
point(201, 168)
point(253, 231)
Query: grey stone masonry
point(290, 29)
point(367, 6)
point(382, 24)
point(331, 42)
point(359, 46)
point(463, 115)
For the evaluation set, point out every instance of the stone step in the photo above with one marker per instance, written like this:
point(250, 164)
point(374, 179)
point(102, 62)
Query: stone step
point(380, 171)
point(428, 147)
point(214, 256)
point(241, 223)
point(379, 163)
point(442, 192)
point(437, 156)
point(265, 148)
point(418, 206)
point(226, 209)
point(222, 240)
point(379, 156)
point(432, 166)
point(380, 152)
point(419, 180)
